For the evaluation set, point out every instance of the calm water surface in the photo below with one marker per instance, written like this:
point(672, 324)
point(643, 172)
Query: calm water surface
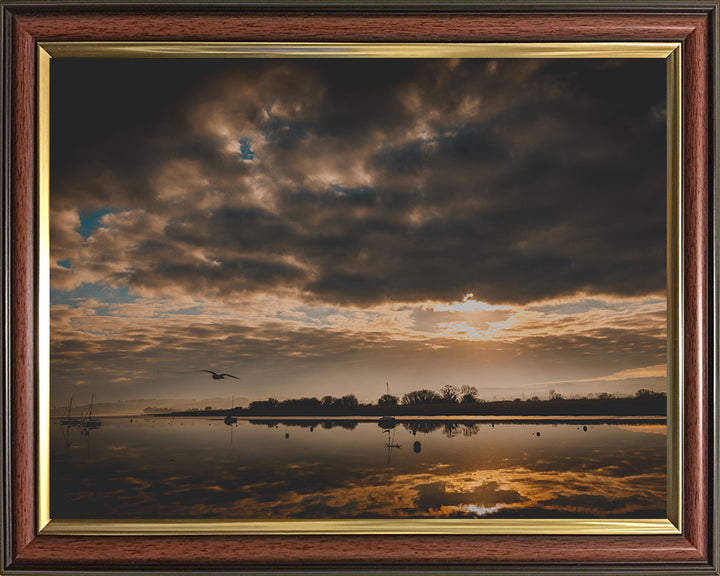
point(201, 468)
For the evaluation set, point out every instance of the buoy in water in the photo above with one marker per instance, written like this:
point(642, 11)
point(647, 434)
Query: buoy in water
point(417, 447)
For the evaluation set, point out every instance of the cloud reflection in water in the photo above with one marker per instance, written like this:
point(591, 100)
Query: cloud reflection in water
point(159, 469)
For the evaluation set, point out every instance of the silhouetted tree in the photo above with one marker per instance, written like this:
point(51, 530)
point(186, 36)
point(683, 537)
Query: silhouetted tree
point(261, 405)
point(645, 393)
point(347, 401)
point(387, 400)
point(423, 396)
point(300, 404)
point(449, 393)
point(327, 401)
point(469, 394)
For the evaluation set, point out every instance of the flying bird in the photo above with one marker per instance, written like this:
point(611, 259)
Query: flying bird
point(216, 376)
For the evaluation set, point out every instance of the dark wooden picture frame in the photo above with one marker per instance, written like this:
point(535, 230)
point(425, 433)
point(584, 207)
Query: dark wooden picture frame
point(25, 24)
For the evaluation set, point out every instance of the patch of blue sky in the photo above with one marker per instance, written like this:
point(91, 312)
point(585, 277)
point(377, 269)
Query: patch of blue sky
point(90, 220)
point(246, 152)
point(106, 294)
point(576, 307)
point(65, 264)
point(361, 192)
point(192, 311)
point(316, 312)
point(586, 304)
point(348, 191)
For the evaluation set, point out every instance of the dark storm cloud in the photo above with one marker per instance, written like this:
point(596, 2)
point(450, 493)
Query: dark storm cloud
point(359, 182)
point(214, 280)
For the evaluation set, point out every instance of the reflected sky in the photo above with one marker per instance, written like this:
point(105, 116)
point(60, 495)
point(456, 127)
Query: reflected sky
point(202, 468)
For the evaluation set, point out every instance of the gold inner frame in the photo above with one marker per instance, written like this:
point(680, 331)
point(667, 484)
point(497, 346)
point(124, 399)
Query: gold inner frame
point(671, 52)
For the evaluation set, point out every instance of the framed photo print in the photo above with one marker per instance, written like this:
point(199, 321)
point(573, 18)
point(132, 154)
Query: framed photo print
point(351, 287)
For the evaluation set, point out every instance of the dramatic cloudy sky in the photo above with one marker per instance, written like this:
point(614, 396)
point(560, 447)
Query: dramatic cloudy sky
point(326, 226)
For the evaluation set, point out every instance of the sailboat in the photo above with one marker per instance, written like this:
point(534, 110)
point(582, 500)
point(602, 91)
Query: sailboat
point(90, 423)
point(387, 422)
point(230, 419)
point(69, 421)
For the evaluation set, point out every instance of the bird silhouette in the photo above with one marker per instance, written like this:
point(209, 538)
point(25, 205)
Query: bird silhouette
point(216, 376)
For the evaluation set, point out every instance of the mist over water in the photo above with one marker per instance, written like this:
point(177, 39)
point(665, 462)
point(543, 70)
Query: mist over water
point(160, 468)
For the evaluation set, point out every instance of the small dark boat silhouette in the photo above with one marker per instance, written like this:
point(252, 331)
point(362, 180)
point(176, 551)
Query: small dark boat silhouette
point(387, 422)
point(230, 419)
point(91, 424)
point(70, 422)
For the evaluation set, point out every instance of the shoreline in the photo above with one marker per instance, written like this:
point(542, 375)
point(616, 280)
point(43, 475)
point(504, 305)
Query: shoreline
point(489, 419)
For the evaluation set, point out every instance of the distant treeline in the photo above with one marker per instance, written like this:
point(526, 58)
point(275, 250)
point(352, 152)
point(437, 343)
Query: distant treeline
point(450, 401)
